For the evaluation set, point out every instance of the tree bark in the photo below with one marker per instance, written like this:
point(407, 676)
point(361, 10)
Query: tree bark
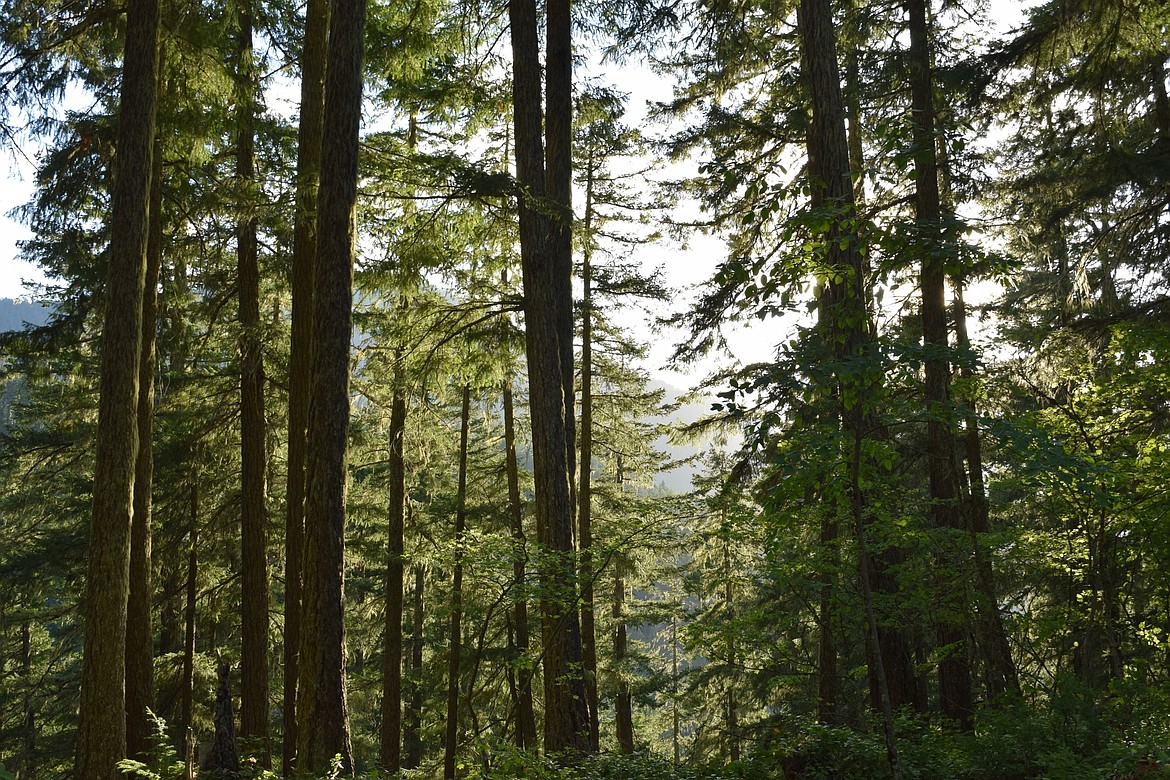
point(412, 739)
point(187, 708)
point(732, 705)
point(455, 636)
point(827, 679)
point(223, 761)
point(139, 618)
point(525, 728)
point(844, 306)
point(954, 668)
point(584, 484)
point(391, 726)
point(322, 709)
point(549, 340)
point(623, 703)
point(1002, 677)
point(253, 485)
point(101, 734)
point(309, 136)
point(1000, 673)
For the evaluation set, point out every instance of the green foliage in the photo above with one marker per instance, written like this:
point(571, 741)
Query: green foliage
point(1015, 743)
point(162, 761)
point(731, 591)
point(640, 766)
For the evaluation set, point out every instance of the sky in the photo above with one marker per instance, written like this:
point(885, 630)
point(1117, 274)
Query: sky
point(684, 267)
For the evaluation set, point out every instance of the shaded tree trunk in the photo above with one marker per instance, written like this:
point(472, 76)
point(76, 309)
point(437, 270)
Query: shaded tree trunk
point(623, 700)
point(954, 666)
point(525, 728)
point(732, 706)
point(253, 485)
point(546, 259)
point(187, 707)
point(1000, 668)
point(101, 733)
point(223, 761)
point(322, 709)
point(139, 618)
point(585, 485)
point(391, 726)
point(844, 305)
point(827, 680)
point(309, 136)
point(390, 730)
point(455, 636)
point(412, 739)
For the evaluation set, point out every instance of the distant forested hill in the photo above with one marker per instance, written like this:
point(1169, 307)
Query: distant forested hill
point(14, 313)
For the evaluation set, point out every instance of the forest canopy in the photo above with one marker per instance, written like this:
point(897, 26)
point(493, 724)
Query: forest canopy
point(331, 446)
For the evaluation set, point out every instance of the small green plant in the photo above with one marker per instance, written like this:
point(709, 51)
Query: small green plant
point(162, 762)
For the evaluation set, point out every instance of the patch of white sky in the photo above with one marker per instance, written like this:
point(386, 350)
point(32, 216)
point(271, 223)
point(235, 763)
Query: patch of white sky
point(686, 266)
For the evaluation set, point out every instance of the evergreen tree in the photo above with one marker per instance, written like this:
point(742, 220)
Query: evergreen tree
point(322, 710)
point(102, 726)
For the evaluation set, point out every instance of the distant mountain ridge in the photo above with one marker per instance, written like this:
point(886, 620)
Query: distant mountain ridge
point(16, 312)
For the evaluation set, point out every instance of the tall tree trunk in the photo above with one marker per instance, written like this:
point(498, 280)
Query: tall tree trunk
point(732, 705)
point(187, 708)
point(390, 736)
point(844, 306)
point(558, 184)
point(733, 716)
point(546, 264)
point(584, 484)
point(412, 739)
point(139, 622)
point(623, 701)
point(322, 709)
point(828, 683)
point(853, 109)
point(253, 486)
point(309, 136)
point(827, 680)
point(1000, 673)
point(391, 727)
point(525, 730)
point(455, 637)
point(954, 667)
point(101, 732)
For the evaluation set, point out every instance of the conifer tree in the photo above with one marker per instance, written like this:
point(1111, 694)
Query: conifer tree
point(312, 110)
point(139, 615)
point(253, 451)
point(846, 299)
point(102, 726)
point(546, 259)
point(322, 709)
point(954, 668)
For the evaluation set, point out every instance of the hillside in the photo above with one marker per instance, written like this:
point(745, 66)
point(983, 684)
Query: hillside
point(15, 313)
